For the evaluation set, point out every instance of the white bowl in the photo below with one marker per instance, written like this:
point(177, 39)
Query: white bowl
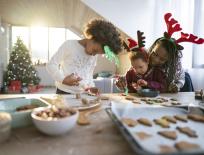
point(54, 127)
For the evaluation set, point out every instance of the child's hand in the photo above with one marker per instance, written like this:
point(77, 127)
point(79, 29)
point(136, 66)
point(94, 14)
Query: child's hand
point(71, 80)
point(173, 88)
point(121, 83)
point(136, 86)
point(142, 82)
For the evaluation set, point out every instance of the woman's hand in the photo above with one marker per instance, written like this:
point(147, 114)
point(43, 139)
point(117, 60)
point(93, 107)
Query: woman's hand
point(142, 82)
point(121, 83)
point(93, 90)
point(71, 80)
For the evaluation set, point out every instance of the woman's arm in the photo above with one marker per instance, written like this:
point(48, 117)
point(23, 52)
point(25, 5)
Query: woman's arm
point(53, 66)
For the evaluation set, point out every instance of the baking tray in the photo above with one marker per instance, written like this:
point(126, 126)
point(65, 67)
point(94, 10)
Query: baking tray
point(20, 118)
point(151, 146)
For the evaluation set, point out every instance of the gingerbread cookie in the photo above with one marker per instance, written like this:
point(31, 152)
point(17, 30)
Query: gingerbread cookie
point(136, 102)
point(170, 119)
point(184, 146)
point(145, 121)
point(143, 135)
point(104, 98)
point(129, 122)
point(187, 131)
point(84, 101)
point(168, 134)
point(196, 117)
point(162, 122)
point(175, 103)
point(131, 98)
point(166, 149)
point(182, 118)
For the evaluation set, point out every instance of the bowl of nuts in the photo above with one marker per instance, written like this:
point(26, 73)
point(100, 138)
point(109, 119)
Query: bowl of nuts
point(54, 120)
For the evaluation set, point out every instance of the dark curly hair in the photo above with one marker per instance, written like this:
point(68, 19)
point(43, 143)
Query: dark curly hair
point(172, 67)
point(104, 33)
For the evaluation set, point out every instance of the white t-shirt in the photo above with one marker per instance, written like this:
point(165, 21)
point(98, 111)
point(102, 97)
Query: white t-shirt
point(72, 58)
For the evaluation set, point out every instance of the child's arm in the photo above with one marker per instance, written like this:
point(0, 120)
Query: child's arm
point(158, 81)
point(130, 79)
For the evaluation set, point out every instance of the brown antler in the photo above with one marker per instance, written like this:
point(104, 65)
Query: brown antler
point(141, 39)
point(172, 24)
point(185, 37)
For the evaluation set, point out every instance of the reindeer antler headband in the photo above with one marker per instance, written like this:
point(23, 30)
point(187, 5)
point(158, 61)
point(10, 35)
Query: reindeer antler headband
point(134, 45)
point(174, 26)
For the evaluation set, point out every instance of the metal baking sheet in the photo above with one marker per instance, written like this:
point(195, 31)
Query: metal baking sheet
point(151, 145)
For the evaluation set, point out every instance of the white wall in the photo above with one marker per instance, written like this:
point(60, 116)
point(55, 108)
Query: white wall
point(4, 49)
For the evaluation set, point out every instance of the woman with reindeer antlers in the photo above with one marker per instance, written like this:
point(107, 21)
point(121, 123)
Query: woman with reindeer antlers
point(166, 53)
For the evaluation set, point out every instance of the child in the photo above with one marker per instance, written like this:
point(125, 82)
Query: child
point(73, 65)
point(166, 52)
point(140, 74)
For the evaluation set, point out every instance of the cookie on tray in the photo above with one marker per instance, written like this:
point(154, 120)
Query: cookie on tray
point(145, 121)
point(196, 117)
point(162, 122)
point(143, 135)
point(184, 146)
point(131, 98)
point(166, 149)
point(170, 119)
point(188, 131)
point(182, 118)
point(168, 134)
point(129, 122)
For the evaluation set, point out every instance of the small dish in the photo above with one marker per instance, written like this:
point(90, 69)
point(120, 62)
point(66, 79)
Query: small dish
point(148, 92)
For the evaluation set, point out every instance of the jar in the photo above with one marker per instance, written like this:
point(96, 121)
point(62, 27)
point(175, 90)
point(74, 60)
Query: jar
point(5, 126)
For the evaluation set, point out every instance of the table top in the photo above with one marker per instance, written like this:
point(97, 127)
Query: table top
point(101, 137)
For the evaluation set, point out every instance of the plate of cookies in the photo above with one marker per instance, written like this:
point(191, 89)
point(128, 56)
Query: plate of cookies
point(159, 130)
point(81, 101)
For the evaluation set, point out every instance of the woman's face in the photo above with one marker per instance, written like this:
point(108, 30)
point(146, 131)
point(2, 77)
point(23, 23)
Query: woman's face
point(158, 56)
point(93, 48)
point(140, 66)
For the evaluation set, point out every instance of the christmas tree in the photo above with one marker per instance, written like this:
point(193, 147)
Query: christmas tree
point(20, 66)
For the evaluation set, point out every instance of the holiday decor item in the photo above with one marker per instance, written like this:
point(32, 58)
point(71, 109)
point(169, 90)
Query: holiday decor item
point(20, 68)
point(174, 26)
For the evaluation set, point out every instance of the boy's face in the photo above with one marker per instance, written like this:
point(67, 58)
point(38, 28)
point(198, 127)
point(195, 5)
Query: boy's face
point(140, 66)
point(93, 48)
point(159, 55)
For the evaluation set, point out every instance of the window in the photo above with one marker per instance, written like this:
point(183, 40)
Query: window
point(42, 42)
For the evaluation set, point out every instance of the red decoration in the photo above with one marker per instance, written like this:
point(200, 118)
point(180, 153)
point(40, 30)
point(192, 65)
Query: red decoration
point(132, 43)
point(15, 86)
point(172, 24)
point(185, 37)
